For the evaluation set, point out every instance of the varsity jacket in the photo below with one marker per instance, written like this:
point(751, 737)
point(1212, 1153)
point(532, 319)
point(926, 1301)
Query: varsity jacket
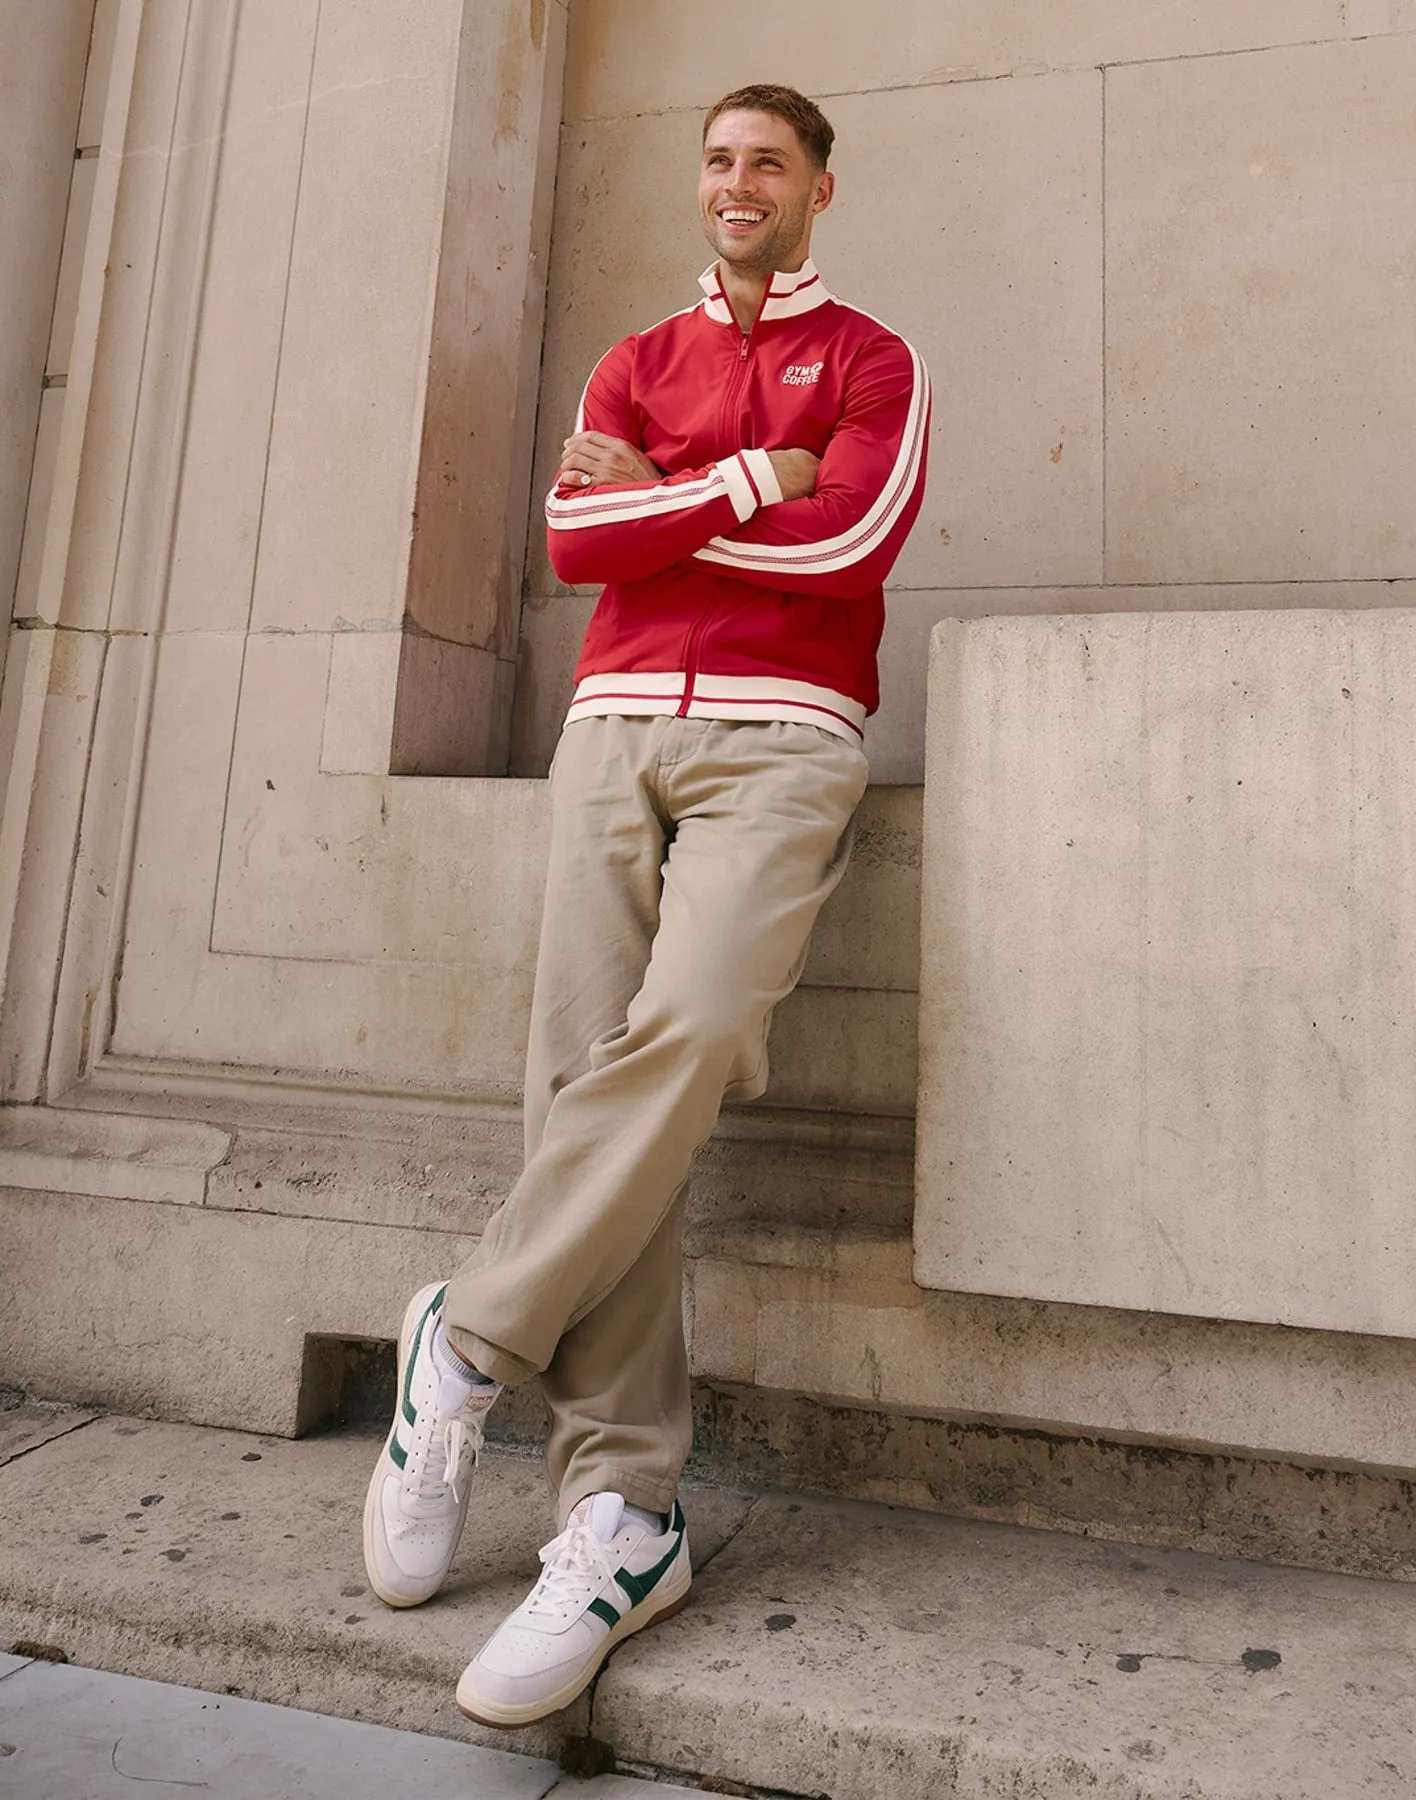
point(721, 599)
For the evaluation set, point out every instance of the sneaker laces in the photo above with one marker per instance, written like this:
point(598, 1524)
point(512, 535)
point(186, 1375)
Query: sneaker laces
point(459, 1433)
point(576, 1567)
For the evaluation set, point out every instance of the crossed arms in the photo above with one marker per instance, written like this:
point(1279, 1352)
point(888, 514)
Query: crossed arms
point(777, 519)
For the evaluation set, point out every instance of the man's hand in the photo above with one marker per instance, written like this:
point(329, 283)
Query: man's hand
point(796, 472)
point(591, 456)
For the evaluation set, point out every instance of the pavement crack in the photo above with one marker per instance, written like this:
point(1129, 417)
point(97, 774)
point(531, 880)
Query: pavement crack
point(154, 1780)
point(731, 1537)
point(13, 1456)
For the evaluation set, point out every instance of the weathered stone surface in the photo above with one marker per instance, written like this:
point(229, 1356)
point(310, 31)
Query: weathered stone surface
point(846, 1650)
point(630, 56)
point(1254, 240)
point(118, 1156)
point(232, 1562)
point(1168, 910)
point(830, 1648)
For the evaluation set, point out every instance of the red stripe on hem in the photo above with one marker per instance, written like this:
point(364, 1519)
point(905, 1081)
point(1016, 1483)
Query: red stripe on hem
point(751, 479)
point(800, 705)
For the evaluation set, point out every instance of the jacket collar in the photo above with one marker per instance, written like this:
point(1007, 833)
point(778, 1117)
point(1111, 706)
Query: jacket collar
point(787, 294)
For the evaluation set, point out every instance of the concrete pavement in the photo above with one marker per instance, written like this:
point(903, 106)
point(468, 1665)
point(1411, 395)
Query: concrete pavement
point(81, 1734)
point(832, 1648)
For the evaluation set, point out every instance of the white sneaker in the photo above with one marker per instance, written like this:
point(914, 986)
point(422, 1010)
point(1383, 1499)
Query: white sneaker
point(417, 1498)
point(605, 1576)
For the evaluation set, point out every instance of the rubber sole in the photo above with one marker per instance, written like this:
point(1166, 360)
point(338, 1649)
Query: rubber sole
point(512, 1718)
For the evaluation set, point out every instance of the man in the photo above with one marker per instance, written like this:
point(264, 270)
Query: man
point(741, 477)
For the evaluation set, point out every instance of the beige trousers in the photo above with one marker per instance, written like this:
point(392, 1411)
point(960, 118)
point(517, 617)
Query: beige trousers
point(689, 859)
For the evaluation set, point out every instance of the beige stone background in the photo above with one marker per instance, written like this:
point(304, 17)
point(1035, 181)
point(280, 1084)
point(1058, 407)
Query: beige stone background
point(331, 277)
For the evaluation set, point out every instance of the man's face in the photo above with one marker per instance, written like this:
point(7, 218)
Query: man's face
point(758, 192)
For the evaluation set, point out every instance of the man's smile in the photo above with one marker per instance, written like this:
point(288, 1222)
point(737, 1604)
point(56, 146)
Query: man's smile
point(741, 218)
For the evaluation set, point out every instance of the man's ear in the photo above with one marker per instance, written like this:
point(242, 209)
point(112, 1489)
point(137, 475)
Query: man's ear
point(825, 190)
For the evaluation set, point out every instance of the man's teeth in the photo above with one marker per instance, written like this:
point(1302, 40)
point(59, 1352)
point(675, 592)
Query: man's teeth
point(742, 218)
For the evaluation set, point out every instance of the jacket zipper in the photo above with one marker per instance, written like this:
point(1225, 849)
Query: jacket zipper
point(695, 635)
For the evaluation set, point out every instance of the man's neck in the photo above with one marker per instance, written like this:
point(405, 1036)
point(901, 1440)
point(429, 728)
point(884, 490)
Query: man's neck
point(745, 288)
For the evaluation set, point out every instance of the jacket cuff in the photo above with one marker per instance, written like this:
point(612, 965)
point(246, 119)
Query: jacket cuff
point(741, 491)
point(759, 467)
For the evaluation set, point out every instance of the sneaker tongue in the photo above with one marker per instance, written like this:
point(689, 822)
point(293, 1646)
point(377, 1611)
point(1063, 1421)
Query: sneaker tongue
point(604, 1514)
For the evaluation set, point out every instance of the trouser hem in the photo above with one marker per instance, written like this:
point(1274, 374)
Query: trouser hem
point(489, 1359)
point(653, 1496)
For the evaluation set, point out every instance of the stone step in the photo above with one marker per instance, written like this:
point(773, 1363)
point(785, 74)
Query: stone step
point(832, 1648)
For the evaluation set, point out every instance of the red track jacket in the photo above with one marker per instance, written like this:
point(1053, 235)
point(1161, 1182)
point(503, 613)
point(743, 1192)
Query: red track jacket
point(722, 600)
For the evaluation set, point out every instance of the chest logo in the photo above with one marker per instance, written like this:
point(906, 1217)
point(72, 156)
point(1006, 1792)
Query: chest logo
point(803, 374)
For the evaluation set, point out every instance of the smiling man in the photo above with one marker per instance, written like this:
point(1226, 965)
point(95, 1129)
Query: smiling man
point(741, 479)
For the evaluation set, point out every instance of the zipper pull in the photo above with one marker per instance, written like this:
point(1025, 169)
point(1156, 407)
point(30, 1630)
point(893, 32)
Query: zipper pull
point(746, 346)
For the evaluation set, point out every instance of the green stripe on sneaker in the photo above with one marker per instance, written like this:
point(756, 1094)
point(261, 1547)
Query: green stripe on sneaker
point(639, 1587)
point(603, 1610)
point(410, 1412)
point(397, 1452)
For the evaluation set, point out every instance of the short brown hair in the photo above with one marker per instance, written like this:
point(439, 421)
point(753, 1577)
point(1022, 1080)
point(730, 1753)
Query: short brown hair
point(804, 116)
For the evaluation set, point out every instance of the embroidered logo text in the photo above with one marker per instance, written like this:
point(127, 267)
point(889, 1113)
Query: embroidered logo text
point(803, 374)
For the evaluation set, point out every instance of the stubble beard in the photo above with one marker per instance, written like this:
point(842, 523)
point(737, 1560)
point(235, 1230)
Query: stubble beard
point(766, 257)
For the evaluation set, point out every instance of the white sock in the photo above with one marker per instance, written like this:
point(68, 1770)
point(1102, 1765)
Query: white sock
point(449, 1364)
point(658, 1523)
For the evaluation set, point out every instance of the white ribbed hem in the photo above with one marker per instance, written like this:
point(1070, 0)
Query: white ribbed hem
point(759, 466)
point(738, 697)
point(740, 489)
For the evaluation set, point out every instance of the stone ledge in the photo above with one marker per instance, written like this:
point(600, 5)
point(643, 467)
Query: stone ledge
point(109, 1155)
point(831, 1648)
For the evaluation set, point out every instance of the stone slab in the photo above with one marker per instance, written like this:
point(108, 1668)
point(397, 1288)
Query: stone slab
point(1365, 17)
point(234, 1563)
point(114, 1156)
point(1169, 879)
point(1254, 241)
point(82, 1734)
point(840, 1649)
point(831, 1648)
point(30, 1425)
point(630, 56)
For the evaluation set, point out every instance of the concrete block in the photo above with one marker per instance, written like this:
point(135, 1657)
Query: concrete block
point(1165, 912)
point(894, 738)
point(835, 1649)
point(115, 1156)
point(630, 56)
point(1254, 238)
point(164, 1284)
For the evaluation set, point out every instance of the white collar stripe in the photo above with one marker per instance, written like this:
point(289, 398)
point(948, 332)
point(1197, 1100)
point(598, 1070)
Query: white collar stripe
point(790, 293)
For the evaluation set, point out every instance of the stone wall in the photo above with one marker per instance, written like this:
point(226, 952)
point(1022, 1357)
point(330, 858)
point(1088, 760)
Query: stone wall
point(1155, 258)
